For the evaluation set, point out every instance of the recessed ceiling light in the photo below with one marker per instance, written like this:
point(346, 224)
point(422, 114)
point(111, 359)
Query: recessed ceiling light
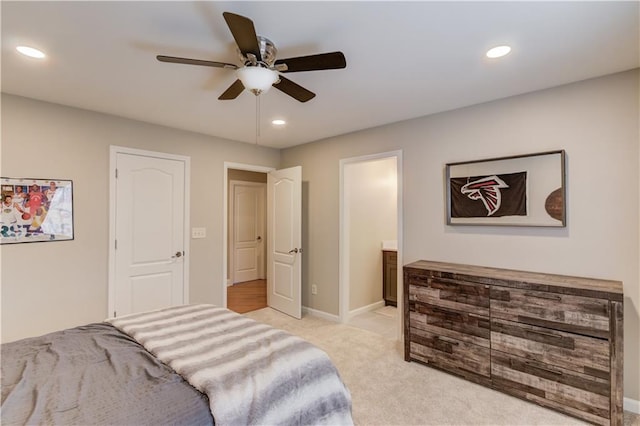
point(278, 122)
point(498, 51)
point(30, 52)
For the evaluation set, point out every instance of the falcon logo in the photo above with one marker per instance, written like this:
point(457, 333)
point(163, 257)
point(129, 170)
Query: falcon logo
point(487, 190)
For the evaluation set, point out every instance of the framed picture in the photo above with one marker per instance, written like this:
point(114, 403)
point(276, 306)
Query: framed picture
point(36, 210)
point(522, 190)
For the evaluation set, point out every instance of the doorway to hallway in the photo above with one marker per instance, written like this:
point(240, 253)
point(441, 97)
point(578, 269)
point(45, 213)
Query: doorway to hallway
point(283, 237)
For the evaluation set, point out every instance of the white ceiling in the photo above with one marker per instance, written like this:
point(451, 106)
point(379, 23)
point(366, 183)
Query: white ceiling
point(404, 59)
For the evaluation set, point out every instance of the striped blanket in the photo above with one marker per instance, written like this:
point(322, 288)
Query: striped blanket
point(252, 373)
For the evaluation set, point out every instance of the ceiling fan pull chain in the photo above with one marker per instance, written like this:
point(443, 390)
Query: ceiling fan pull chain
point(257, 118)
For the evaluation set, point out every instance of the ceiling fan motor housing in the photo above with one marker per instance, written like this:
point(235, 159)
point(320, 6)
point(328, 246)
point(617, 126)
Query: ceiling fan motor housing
point(268, 53)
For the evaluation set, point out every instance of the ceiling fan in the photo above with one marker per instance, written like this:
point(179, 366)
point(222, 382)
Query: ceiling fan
point(260, 69)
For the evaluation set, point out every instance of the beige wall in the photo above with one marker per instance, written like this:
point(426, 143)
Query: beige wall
point(49, 286)
point(370, 208)
point(595, 121)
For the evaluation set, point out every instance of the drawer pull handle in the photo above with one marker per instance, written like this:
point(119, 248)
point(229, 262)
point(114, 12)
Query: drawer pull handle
point(542, 333)
point(447, 340)
point(544, 296)
point(442, 311)
point(549, 370)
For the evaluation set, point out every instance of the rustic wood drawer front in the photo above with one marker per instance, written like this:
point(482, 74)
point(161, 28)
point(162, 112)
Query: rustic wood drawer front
point(578, 394)
point(463, 326)
point(459, 295)
point(456, 356)
point(576, 314)
point(574, 352)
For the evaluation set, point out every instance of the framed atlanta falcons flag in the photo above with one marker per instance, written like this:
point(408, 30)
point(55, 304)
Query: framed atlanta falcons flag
point(522, 190)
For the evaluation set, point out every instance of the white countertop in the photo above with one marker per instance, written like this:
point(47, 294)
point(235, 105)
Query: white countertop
point(390, 245)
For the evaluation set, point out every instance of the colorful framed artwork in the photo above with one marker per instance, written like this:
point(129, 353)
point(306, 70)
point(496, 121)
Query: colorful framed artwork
point(522, 190)
point(36, 210)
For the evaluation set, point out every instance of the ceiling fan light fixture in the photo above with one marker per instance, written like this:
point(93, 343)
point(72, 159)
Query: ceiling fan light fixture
point(257, 79)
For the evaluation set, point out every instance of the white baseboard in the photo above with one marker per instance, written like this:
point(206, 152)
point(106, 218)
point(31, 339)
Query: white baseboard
point(320, 314)
point(631, 405)
point(229, 282)
point(336, 318)
point(368, 308)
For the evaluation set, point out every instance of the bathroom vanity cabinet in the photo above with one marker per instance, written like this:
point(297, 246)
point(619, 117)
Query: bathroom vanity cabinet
point(390, 277)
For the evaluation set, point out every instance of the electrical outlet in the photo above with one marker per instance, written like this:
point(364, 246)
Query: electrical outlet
point(314, 289)
point(198, 233)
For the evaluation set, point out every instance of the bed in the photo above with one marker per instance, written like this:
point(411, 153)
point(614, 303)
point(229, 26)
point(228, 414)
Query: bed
point(187, 365)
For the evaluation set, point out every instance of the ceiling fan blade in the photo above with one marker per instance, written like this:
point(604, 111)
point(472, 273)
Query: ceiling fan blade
point(232, 92)
point(244, 33)
point(175, 60)
point(323, 61)
point(294, 90)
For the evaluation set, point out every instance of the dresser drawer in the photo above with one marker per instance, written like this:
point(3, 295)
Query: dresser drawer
point(576, 314)
point(449, 354)
point(462, 326)
point(583, 395)
point(574, 352)
point(459, 295)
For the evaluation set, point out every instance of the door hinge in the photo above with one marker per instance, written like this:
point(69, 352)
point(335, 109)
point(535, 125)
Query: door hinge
point(114, 314)
point(116, 173)
point(116, 244)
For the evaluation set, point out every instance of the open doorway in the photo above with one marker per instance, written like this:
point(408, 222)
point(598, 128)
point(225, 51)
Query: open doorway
point(283, 237)
point(245, 237)
point(370, 243)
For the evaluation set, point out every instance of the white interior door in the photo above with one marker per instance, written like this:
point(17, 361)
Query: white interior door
point(247, 228)
point(149, 233)
point(284, 254)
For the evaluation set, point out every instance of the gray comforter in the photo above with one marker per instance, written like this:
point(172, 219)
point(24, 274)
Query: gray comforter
point(94, 374)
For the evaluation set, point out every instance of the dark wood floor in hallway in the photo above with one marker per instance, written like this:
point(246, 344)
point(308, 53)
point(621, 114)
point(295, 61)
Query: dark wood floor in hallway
point(247, 296)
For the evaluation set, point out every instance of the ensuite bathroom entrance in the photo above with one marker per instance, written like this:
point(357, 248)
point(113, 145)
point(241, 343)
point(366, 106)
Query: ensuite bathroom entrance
point(370, 212)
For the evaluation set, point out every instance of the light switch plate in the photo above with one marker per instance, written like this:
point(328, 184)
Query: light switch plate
point(198, 232)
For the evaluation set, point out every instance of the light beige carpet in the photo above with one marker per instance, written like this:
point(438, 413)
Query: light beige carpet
point(386, 390)
point(387, 311)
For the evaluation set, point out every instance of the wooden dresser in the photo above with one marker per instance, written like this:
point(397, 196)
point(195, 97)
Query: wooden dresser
point(551, 339)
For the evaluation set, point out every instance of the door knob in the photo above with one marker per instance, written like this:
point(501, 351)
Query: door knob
point(178, 254)
point(295, 250)
point(259, 238)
